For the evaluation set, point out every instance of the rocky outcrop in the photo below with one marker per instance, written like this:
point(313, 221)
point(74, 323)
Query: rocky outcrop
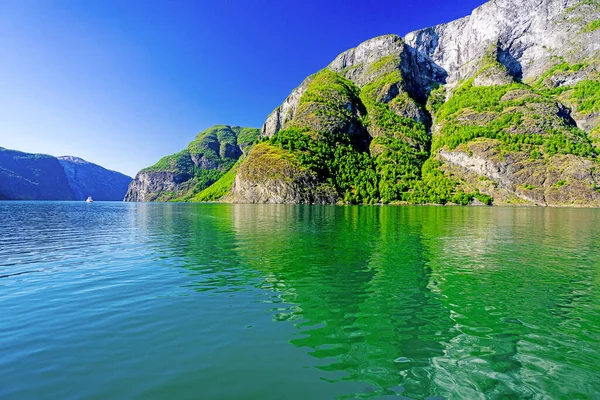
point(285, 112)
point(529, 34)
point(183, 175)
point(272, 175)
point(25, 176)
point(364, 64)
point(149, 185)
point(516, 179)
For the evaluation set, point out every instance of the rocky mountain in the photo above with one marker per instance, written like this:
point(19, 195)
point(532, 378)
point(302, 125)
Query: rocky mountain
point(25, 176)
point(499, 107)
point(184, 175)
point(502, 106)
point(87, 179)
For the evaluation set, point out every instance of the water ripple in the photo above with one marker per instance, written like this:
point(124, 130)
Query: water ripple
point(295, 302)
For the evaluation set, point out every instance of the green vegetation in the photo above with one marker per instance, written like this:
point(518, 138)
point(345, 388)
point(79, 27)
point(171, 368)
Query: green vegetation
point(593, 3)
point(331, 89)
point(246, 136)
point(563, 67)
point(510, 121)
point(400, 143)
point(177, 162)
point(356, 141)
point(392, 170)
point(267, 161)
point(220, 188)
point(437, 98)
point(383, 62)
point(592, 26)
point(205, 160)
point(560, 183)
point(484, 99)
point(586, 95)
point(335, 160)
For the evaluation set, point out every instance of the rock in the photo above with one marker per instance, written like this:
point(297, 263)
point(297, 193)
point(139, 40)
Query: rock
point(494, 75)
point(530, 36)
point(481, 106)
point(273, 175)
point(501, 44)
point(564, 180)
point(363, 65)
point(285, 112)
point(151, 185)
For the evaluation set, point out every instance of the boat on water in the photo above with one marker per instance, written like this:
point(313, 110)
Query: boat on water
point(89, 200)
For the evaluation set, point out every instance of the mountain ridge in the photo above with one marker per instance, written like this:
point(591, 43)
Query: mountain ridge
point(501, 106)
point(31, 176)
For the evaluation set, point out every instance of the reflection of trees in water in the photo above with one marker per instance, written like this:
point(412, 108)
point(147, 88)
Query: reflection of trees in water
point(507, 291)
point(357, 277)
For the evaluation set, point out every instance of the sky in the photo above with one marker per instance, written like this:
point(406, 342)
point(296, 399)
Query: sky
point(122, 83)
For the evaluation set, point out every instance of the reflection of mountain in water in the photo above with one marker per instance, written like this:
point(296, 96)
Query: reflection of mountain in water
point(359, 280)
point(516, 281)
point(452, 302)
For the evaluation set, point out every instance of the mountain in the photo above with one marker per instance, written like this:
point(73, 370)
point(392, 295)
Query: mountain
point(502, 106)
point(184, 175)
point(25, 176)
point(87, 179)
point(499, 107)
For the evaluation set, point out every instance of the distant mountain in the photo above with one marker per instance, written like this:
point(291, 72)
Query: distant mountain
point(87, 179)
point(184, 175)
point(26, 176)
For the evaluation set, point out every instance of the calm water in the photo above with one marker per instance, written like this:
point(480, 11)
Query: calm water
point(181, 301)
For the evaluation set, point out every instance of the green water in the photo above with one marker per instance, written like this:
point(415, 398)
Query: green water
point(182, 301)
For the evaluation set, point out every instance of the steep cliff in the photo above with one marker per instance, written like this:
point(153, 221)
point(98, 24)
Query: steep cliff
point(88, 179)
point(502, 106)
point(25, 176)
point(184, 175)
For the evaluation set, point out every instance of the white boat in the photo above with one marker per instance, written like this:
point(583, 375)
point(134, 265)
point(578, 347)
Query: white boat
point(89, 199)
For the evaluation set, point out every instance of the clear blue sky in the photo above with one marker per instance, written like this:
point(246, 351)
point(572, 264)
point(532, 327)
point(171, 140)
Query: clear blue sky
point(124, 82)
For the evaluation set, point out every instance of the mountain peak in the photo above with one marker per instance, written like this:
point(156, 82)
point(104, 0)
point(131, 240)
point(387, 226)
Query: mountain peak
point(530, 36)
point(73, 159)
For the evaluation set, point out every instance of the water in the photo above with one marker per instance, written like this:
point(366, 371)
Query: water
point(212, 301)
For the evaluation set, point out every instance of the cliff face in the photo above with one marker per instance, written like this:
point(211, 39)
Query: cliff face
point(528, 34)
point(25, 176)
point(364, 65)
point(88, 179)
point(502, 106)
point(184, 175)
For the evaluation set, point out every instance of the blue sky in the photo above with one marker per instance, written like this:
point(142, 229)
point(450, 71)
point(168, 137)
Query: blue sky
point(124, 82)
